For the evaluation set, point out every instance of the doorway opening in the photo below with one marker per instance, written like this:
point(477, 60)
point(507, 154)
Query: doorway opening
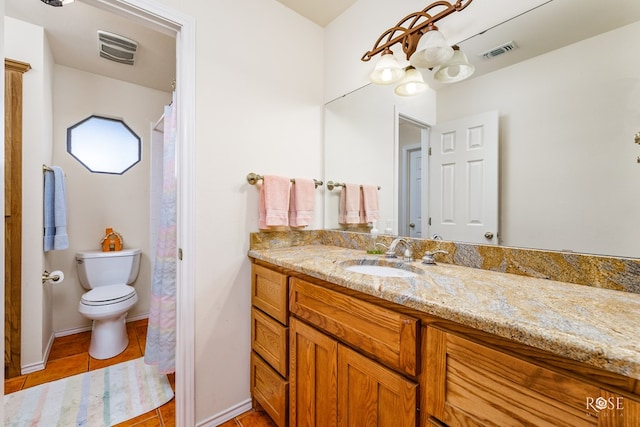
point(158, 16)
point(412, 175)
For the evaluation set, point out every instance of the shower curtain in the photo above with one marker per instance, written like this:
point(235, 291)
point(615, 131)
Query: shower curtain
point(161, 332)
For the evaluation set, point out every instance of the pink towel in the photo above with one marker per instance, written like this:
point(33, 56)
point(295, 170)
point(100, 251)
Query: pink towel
point(370, 210)
point(274, 201)
point(349, 209)
point(301, 204)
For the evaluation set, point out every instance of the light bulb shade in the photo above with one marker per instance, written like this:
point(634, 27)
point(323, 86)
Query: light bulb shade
point(412, 84)
point(456, 69)
point(432, 50)
point(387, 70)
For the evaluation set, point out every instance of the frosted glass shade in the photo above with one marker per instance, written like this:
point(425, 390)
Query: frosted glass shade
point(432, 50)
point(387, 70)
point(412, 84)
point(456, 69)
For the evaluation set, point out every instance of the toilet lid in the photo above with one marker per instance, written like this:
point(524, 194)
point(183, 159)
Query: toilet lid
point(108, 294)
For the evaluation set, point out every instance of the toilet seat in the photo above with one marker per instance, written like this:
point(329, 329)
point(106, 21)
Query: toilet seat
point(107, 295)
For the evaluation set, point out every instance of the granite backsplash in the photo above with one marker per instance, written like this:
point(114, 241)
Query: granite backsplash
point(622, 274)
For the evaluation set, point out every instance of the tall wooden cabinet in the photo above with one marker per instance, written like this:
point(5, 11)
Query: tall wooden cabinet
point(13, 213)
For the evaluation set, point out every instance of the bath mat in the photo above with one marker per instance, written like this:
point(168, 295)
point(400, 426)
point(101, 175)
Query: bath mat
point(103, 397)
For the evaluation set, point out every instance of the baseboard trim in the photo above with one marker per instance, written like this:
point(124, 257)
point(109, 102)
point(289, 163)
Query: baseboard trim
point(32, 367)
point(227, 414)
point(39, 366)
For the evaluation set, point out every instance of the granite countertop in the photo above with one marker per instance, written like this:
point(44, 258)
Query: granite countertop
point(599, 327)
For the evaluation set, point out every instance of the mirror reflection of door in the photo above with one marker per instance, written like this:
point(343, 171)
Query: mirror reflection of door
point(463, 179)
point(411, 136)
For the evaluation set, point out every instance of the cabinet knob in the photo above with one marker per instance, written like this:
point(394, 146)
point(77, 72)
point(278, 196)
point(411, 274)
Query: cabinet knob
point(488, 235)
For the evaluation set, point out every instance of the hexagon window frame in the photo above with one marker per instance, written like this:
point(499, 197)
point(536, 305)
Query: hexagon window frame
point(107, 139)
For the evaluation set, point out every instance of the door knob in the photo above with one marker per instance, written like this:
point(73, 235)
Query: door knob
point(488, 235)
point(412, 225)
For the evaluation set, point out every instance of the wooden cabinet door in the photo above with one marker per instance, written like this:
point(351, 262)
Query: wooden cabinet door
point(312, 377)
point(371, 395)
point(615, 410)
point(469, 384)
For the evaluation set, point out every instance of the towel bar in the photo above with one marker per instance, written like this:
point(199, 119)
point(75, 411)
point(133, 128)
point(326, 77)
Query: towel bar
point(253, 179)
point(331, 185)
point(46, 168)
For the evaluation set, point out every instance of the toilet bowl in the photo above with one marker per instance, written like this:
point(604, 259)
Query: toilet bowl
point(107, 276)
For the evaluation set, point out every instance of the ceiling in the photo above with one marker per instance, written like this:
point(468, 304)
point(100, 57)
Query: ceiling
point(72, 34)
point(75, 45)
point(322, 12)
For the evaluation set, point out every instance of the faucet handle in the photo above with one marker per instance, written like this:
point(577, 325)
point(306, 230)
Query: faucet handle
point(429, 257)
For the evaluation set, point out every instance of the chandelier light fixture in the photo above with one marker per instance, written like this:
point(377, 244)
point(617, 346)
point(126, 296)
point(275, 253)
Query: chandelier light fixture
point(424, 47)
point(57, 3)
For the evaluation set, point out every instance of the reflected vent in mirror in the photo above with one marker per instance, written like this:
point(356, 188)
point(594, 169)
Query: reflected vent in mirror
point(116, 48)
point(499, 50)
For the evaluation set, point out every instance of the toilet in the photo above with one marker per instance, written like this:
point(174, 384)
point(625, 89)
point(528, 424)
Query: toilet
point(107, 276)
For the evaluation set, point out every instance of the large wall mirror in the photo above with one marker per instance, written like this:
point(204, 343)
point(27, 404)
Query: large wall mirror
point(569, 106)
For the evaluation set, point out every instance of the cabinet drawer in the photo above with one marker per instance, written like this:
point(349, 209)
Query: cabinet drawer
point(269, 339)
point(471, 384)
point(270, 390)
point(269, 292)
point(387, 336)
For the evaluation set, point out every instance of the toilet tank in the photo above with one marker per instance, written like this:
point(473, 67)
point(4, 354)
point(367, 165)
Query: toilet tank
point(97, 268)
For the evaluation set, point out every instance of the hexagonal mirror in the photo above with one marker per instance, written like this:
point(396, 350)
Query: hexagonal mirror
point(104, 145)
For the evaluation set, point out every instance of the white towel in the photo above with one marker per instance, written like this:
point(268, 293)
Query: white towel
point(55, 211)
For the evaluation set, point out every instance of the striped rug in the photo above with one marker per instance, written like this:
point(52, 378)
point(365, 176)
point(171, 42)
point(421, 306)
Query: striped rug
point(103, 397)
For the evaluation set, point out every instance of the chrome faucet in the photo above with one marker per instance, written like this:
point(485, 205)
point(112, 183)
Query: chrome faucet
point(408, 245)
point(429, 257)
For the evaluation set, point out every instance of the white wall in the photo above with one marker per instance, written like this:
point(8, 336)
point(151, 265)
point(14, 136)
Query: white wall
point(258, 109)
point(568, 163)
point(361, 145)
point(96, 201)
point(260, 90)
point(27, 43)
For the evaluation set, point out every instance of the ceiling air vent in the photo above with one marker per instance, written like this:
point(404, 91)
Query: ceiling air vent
point(116, 48)
point(503, 48)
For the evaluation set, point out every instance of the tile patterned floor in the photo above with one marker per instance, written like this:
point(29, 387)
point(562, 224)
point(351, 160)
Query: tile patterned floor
point(70, 356)
point(252, 418)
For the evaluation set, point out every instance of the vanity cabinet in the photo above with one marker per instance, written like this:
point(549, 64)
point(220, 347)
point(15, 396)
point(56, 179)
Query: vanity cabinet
point(337, 357)
point(269, 342)
point(349, 359)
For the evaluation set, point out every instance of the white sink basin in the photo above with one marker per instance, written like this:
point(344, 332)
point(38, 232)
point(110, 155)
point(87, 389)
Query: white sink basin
point(380, 270)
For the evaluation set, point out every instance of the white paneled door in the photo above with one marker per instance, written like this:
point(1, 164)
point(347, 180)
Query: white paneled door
point(463, 179)
point(415, 193)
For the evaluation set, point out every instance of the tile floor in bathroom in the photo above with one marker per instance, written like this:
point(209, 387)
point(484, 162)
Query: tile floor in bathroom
point(70, 356)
